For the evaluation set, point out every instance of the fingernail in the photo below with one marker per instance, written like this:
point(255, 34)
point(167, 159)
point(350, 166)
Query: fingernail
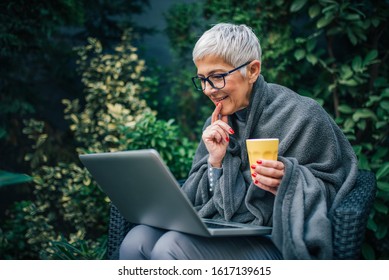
point(232, 131)
point(254, 175)
point(217, 104)
point(227, 139)
point(256, 182)
point(259, 161)
point(253, 166)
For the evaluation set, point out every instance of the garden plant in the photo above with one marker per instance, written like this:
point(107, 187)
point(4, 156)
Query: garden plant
point(105, 97)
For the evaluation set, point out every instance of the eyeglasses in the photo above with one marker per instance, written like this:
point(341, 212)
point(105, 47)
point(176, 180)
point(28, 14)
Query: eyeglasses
point(216, 81)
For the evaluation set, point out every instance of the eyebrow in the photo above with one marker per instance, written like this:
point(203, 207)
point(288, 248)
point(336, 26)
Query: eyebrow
point(212, 72)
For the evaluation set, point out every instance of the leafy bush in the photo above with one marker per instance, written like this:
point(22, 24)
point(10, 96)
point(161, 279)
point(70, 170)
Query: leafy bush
point(333, 51)
point(38, 63)
point(68, 219)
point(184, 23)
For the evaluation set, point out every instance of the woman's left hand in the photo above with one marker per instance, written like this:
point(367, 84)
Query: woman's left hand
point(267, 174)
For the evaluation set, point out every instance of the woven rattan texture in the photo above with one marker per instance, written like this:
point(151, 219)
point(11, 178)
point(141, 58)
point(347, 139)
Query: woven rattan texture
point(118, 228)
point(350, 218)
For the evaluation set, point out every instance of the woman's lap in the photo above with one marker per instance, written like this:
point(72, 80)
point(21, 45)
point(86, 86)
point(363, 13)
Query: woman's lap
point(144, 242)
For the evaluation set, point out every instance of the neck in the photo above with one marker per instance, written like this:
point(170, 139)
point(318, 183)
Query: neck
point(241, 114)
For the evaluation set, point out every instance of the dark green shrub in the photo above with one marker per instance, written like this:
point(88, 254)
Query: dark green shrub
point(68, 218)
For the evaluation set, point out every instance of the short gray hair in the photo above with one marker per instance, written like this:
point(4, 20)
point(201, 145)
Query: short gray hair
point(235, 44)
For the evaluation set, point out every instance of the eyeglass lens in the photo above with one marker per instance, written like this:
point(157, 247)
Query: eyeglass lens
point(215, 81)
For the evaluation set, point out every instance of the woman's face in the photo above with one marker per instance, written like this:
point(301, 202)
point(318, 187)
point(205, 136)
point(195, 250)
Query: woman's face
point(236, 93)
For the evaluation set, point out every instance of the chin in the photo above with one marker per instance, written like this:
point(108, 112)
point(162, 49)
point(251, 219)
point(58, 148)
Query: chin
point(227, 112)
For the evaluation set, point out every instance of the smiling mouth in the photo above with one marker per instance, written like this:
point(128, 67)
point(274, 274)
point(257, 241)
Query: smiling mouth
point(221, 99)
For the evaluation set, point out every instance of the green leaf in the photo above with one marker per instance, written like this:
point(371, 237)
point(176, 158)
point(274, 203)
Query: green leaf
point(324, 21)
point(8, 178)
point(352, 17)
point(375, 22)
point(381, 207)
point(382, 231)
point(345, 109)
point(311, 45)
point(385, 105)
point(349, 124)
point(363, 162)
point(41, 139)
point(361, 125)
point(383, 186)
point(380, 125)
point(357, 64)
point(385, 92)
point(181, 151)
point(299, 54)
point(370, 57)
point(357, 149)
point(352, 37)
point(297, 5)
point(372, 100)
point(368, 252)
point(38, 180)
point(372, 225)
point(330, 8)
point(300, 40)
point(380, 82)
point(334, 31)
point(350, 82)
point(162, 143)
point(3, 133)
point(383, 171)
point(346, 72)
point(364, 114)
point(359, 12)
point(314, 11)
point(279, 2)
point(312, 59)
point(381, 152)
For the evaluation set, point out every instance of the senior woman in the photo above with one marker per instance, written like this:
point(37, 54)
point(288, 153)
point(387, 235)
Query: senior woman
point(294, 194)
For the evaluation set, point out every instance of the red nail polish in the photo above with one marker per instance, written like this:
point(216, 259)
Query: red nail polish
point(253, 166)
point(254, 175)
point(256, 182)
point(232, 131)
point(227, 139)
point(259, 161)
point(217, 104)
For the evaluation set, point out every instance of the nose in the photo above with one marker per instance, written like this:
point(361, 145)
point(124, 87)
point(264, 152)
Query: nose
point(209, 89)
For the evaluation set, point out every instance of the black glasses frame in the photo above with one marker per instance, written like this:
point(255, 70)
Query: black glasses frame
point(221, 75)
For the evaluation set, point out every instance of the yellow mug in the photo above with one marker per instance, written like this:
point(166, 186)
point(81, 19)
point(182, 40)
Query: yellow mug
point(265, 148)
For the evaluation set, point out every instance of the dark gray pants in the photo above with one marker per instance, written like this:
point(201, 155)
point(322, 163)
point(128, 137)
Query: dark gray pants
point(148, 243)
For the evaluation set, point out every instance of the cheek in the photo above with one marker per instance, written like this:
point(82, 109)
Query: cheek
point(239, 96)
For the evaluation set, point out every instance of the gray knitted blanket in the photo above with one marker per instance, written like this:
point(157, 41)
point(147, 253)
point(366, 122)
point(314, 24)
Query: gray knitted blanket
point(320, 169)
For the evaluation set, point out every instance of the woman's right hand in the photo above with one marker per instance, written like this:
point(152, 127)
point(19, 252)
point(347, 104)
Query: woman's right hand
point(216, 137)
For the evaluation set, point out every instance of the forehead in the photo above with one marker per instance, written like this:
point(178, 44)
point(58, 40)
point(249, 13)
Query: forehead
point(211, 64)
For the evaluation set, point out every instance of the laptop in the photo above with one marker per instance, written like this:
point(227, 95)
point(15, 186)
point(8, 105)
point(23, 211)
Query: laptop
point(145, 192)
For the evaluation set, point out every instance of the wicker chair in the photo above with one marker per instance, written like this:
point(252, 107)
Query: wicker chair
point(349, 221)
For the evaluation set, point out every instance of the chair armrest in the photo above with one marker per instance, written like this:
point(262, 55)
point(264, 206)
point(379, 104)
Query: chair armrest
point(118, 228)
point(350, 218)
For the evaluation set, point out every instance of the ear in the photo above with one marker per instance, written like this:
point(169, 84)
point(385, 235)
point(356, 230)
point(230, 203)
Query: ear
point(253, 70)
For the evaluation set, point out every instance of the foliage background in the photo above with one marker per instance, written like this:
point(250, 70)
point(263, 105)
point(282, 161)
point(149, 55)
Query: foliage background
point(72, 81)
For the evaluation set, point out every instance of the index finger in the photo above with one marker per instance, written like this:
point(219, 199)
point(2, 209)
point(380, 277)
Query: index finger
point(216, 113)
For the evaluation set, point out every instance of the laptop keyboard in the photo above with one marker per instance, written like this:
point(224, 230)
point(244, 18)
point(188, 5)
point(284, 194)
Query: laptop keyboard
point(213, 225)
